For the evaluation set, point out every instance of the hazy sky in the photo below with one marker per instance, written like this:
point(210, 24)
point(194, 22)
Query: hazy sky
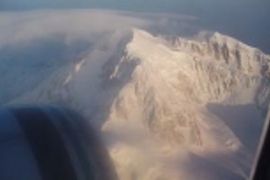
point(145, 5)
point(247, 20)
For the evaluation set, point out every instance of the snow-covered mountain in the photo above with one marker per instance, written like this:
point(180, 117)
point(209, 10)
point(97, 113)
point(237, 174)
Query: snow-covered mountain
point(168, 107)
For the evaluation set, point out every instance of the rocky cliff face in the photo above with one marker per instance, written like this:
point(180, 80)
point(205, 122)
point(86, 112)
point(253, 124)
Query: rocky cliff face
point(231, 60)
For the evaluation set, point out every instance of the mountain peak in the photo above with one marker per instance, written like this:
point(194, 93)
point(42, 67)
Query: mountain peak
point(162, 91)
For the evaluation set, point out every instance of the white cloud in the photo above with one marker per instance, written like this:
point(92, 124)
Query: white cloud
point(20, 27)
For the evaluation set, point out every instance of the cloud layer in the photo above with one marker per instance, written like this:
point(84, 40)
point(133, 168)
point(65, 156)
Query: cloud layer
point(22, 27)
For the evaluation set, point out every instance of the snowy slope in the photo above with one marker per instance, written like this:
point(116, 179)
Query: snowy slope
point(168, 107)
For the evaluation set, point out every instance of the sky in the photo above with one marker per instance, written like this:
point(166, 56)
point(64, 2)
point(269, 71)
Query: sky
point(246, 20)
point(137, 5)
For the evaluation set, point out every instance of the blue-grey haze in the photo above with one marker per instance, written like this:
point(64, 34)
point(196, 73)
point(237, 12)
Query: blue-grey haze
point(246, 20)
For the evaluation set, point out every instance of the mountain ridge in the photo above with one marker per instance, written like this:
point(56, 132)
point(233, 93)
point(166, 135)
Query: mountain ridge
point(158, 88)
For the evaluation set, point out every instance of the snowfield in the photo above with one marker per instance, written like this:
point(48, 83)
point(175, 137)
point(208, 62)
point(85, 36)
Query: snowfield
point(167, 107)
